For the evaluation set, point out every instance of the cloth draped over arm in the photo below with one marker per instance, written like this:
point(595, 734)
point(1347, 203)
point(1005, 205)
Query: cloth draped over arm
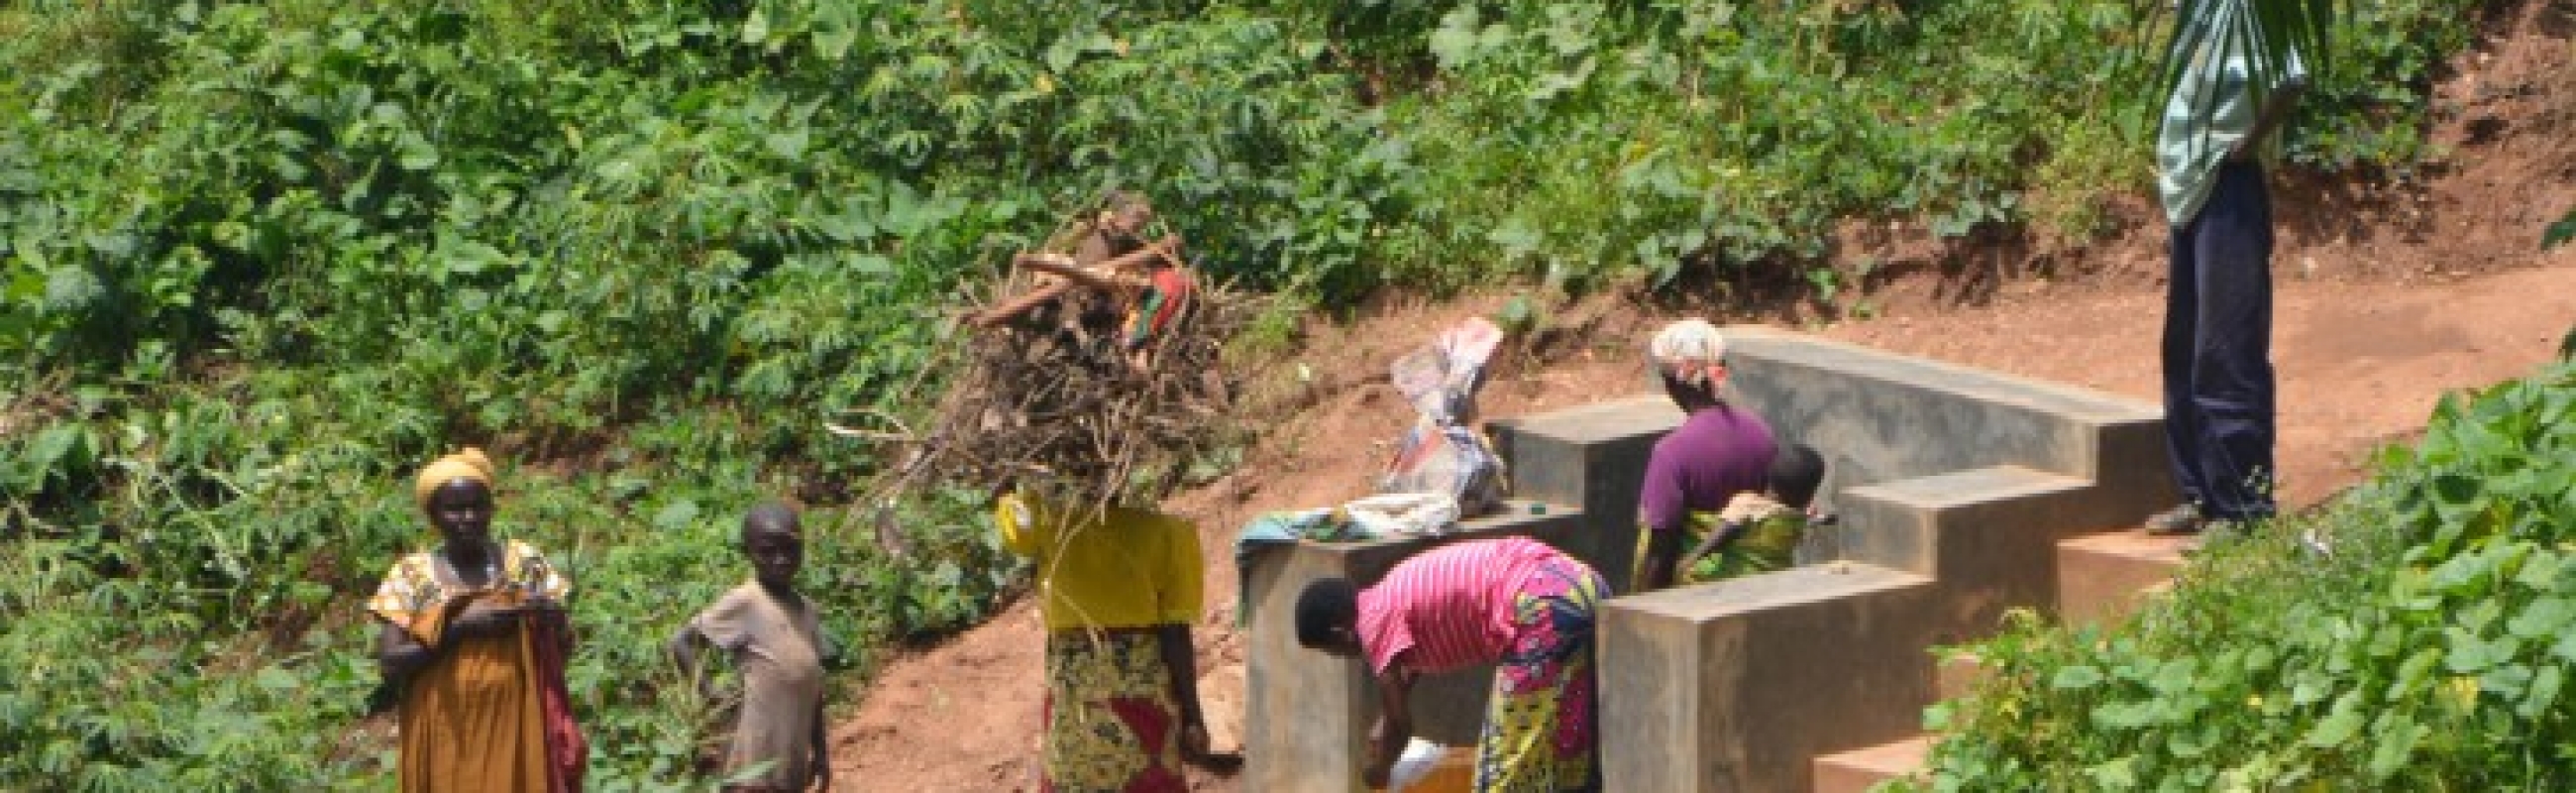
point(475, 718)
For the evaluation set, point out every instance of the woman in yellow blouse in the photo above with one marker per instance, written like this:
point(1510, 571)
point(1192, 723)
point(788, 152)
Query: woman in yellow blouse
point(1120, 589)
point(474, 636)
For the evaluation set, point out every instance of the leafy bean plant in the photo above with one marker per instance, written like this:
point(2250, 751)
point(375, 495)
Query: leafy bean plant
point(2426, 647)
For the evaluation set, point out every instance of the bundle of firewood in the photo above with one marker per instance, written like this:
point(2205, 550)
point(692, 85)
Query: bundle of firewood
point(1045, 392)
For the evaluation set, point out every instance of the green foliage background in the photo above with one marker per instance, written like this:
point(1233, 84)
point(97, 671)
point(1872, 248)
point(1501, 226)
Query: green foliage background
point(258, 260)
point(2429, 651)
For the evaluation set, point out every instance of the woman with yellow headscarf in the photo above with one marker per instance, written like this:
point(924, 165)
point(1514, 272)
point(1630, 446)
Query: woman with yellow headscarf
point(474, 638)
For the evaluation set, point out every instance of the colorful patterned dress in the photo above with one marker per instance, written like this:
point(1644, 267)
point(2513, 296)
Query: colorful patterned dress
point(475, 719)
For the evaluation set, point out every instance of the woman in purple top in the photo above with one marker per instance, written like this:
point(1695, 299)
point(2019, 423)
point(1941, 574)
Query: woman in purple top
point(1718, 451)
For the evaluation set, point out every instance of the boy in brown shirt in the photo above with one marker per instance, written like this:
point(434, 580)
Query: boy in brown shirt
point(776, 644)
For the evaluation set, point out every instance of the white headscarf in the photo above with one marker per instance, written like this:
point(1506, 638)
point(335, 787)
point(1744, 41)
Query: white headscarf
point(1689, 352)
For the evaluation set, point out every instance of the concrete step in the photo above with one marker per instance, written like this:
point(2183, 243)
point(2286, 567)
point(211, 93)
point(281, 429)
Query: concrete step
point(1858, 770)
point(2101, 577)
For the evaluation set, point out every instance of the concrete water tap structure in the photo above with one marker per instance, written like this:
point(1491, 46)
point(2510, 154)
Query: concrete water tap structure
point(1955, 486)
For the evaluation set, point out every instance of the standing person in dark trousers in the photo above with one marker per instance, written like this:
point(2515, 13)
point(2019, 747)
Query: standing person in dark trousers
point(2219, 392)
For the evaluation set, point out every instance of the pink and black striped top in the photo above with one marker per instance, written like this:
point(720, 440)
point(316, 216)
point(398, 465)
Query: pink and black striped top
point(1450, 606)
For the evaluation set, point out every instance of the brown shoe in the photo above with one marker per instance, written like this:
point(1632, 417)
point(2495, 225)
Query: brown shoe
point(2185, 519)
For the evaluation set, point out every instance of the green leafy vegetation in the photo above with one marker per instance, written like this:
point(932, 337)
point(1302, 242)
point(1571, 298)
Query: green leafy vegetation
point(259, 260)
point(2559, 232)
point(2428, 650)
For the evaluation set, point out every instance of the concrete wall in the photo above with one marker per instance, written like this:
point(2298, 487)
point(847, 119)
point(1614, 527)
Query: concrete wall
point(1818, 659)
point(1954, 485)
point(1592, 457)
point(1879, 417)
point(1776, 662)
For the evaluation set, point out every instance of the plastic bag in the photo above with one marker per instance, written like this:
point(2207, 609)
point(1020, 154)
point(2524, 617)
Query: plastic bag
point(1453, 461)
point(1442, 453)
point(1441, 379)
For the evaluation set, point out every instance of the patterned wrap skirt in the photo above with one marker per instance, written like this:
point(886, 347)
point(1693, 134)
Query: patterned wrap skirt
point(1540, 723)
point(1111, 726)
point(1768, 545)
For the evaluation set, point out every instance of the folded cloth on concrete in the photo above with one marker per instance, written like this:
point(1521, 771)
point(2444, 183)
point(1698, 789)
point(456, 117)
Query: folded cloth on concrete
point(1365, 518)
point(1391, 514)
point(1278, 529)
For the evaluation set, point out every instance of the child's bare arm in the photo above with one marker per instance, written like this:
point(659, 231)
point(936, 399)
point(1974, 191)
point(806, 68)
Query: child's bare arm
point(1394, 727)
point(683, 648)
point(687, 649)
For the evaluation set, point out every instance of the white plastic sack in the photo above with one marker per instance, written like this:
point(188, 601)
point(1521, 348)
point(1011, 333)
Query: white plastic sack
point(1403, 514)
point(1416, 762)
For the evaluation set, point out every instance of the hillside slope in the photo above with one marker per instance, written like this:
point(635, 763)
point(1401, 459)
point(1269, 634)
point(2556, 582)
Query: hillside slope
point(2390, 295)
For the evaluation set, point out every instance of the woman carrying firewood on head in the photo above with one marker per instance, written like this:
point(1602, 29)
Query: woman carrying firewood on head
point(1120, 589)
point(1054, 389)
